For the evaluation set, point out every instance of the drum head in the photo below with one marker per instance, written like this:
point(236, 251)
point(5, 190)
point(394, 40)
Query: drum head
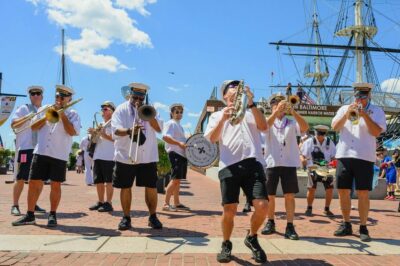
point(200, 152)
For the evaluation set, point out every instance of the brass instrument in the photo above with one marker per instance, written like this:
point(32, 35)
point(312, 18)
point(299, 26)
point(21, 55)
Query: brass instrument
point(51, 114)
point(16, 127)
point(292, 101)
point(354, 115)
point(240, 105)
point(145, 113)
point(94, 137)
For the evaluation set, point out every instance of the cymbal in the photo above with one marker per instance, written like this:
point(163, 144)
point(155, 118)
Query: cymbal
point(325, 171)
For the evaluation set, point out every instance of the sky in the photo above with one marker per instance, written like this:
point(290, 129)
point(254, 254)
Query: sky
point(181, 48)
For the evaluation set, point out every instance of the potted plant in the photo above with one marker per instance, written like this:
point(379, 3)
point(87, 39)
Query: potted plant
point(163, 168)
point(4, 155)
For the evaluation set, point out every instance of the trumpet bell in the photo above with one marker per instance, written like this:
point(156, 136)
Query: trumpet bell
point(146, 112)
point(294, 99)
point(52, 115)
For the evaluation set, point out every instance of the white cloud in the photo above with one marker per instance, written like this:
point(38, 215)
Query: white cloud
point(391, 85)
point(161, 106)
point(194, 114)
point(137, 5)
point(173, 89)
point(100, 20)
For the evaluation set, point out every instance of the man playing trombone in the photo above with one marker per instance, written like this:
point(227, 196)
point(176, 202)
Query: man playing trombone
point(358, 124)
point(103, 158)
point(136, 152)
point(55, 131)
point(25, 143)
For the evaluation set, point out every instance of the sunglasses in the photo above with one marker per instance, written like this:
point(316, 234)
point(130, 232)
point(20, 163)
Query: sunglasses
point(137, 98)
point(106, 109)
point(320, 133)
point(178, 112)
point(35, 93)
point(361, 97)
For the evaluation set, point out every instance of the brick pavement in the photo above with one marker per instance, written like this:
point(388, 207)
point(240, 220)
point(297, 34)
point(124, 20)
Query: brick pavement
point(203, 196)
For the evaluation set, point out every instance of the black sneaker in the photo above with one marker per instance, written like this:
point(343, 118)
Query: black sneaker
point(182, 207)
point(398, 209)
point(247, 207)
point(308, 212)
point(364, 235)
point(125, 223)
point(15, 210)
point(105, 207)
point(258, 253)
point(225, 255)
point(39, 210)
point(24, 220)
point(344, 230)
point(269, 228)
point(290, 232)
point(96, 206)
point(154, 222)
point(328, 213)
point(52, 220)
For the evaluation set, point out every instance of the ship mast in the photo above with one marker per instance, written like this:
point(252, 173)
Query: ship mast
point(62, 58)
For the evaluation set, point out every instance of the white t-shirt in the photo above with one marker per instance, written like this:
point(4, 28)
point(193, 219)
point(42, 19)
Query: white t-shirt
point(308, 147)
point(123, 117)
point(281, 144)
point(104, 147)
point(238, 142)
point(53, 140)
point(173, 129)
point(23, 138)
point(354, 140)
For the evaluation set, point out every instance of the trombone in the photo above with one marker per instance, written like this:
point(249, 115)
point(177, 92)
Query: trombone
point(145, 113)
point(51, 114)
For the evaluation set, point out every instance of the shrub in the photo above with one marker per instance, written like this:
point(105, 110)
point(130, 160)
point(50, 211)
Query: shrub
point(163, 165)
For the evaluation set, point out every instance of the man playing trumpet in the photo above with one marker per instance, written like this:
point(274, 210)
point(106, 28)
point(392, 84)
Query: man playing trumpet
point(26, 141)
point(51, 155)
point(103, 158)
point(135, 157)
point(240, 167)
point(358, 124)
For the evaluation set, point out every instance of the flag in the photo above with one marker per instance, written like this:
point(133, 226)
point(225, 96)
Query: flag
point(307, 99)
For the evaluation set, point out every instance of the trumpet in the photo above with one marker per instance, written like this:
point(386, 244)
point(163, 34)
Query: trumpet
point(239, 104)
point(94, 137)
point(292, 100)
point(145, 113)
point(51, 114)
point(354, 115)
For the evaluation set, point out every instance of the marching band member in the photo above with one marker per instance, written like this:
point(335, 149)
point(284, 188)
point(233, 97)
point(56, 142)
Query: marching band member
point(174, 137)
point(88, 161)
point(318, 150)
point(103, 158)
point(144, 170)
point(282, 158)
point(51, 155)
point(25, 143)
point(240, 167)
point(356, 154)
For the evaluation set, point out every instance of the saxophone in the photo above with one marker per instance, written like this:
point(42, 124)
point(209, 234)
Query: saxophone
point(240, 105)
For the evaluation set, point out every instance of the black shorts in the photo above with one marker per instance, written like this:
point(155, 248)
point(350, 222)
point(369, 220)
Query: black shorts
point(178, 165)
point(124, 175)
point(326, 181)
point(24, 161)
point(350, 169)
point(45, 168)
point(103, 171)
point(247, 174)
point(288, 178)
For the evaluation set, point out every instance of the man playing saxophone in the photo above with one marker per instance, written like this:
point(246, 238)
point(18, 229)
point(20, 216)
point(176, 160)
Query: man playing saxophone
point(103, 158)
point(135, 157)
point(358, 124)
point(240, 167)
point(51, 154)
point(25, 143)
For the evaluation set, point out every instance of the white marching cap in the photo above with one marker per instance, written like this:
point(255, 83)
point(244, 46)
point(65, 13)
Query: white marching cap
point(64, 89)
point(321, 128)
point(34, 88)
point(141, 87)
point(176, 105)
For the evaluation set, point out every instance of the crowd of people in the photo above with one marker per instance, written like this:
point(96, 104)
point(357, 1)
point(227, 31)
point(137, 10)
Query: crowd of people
point(254, 156)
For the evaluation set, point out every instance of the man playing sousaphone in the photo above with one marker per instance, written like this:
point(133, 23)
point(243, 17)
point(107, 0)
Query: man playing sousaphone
point(282, 158)
point(358, 124)
point(318, 151)
point(174, 137)
point(240, 167)
point(135, 158)
point(103, 158)
point(51, 154)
